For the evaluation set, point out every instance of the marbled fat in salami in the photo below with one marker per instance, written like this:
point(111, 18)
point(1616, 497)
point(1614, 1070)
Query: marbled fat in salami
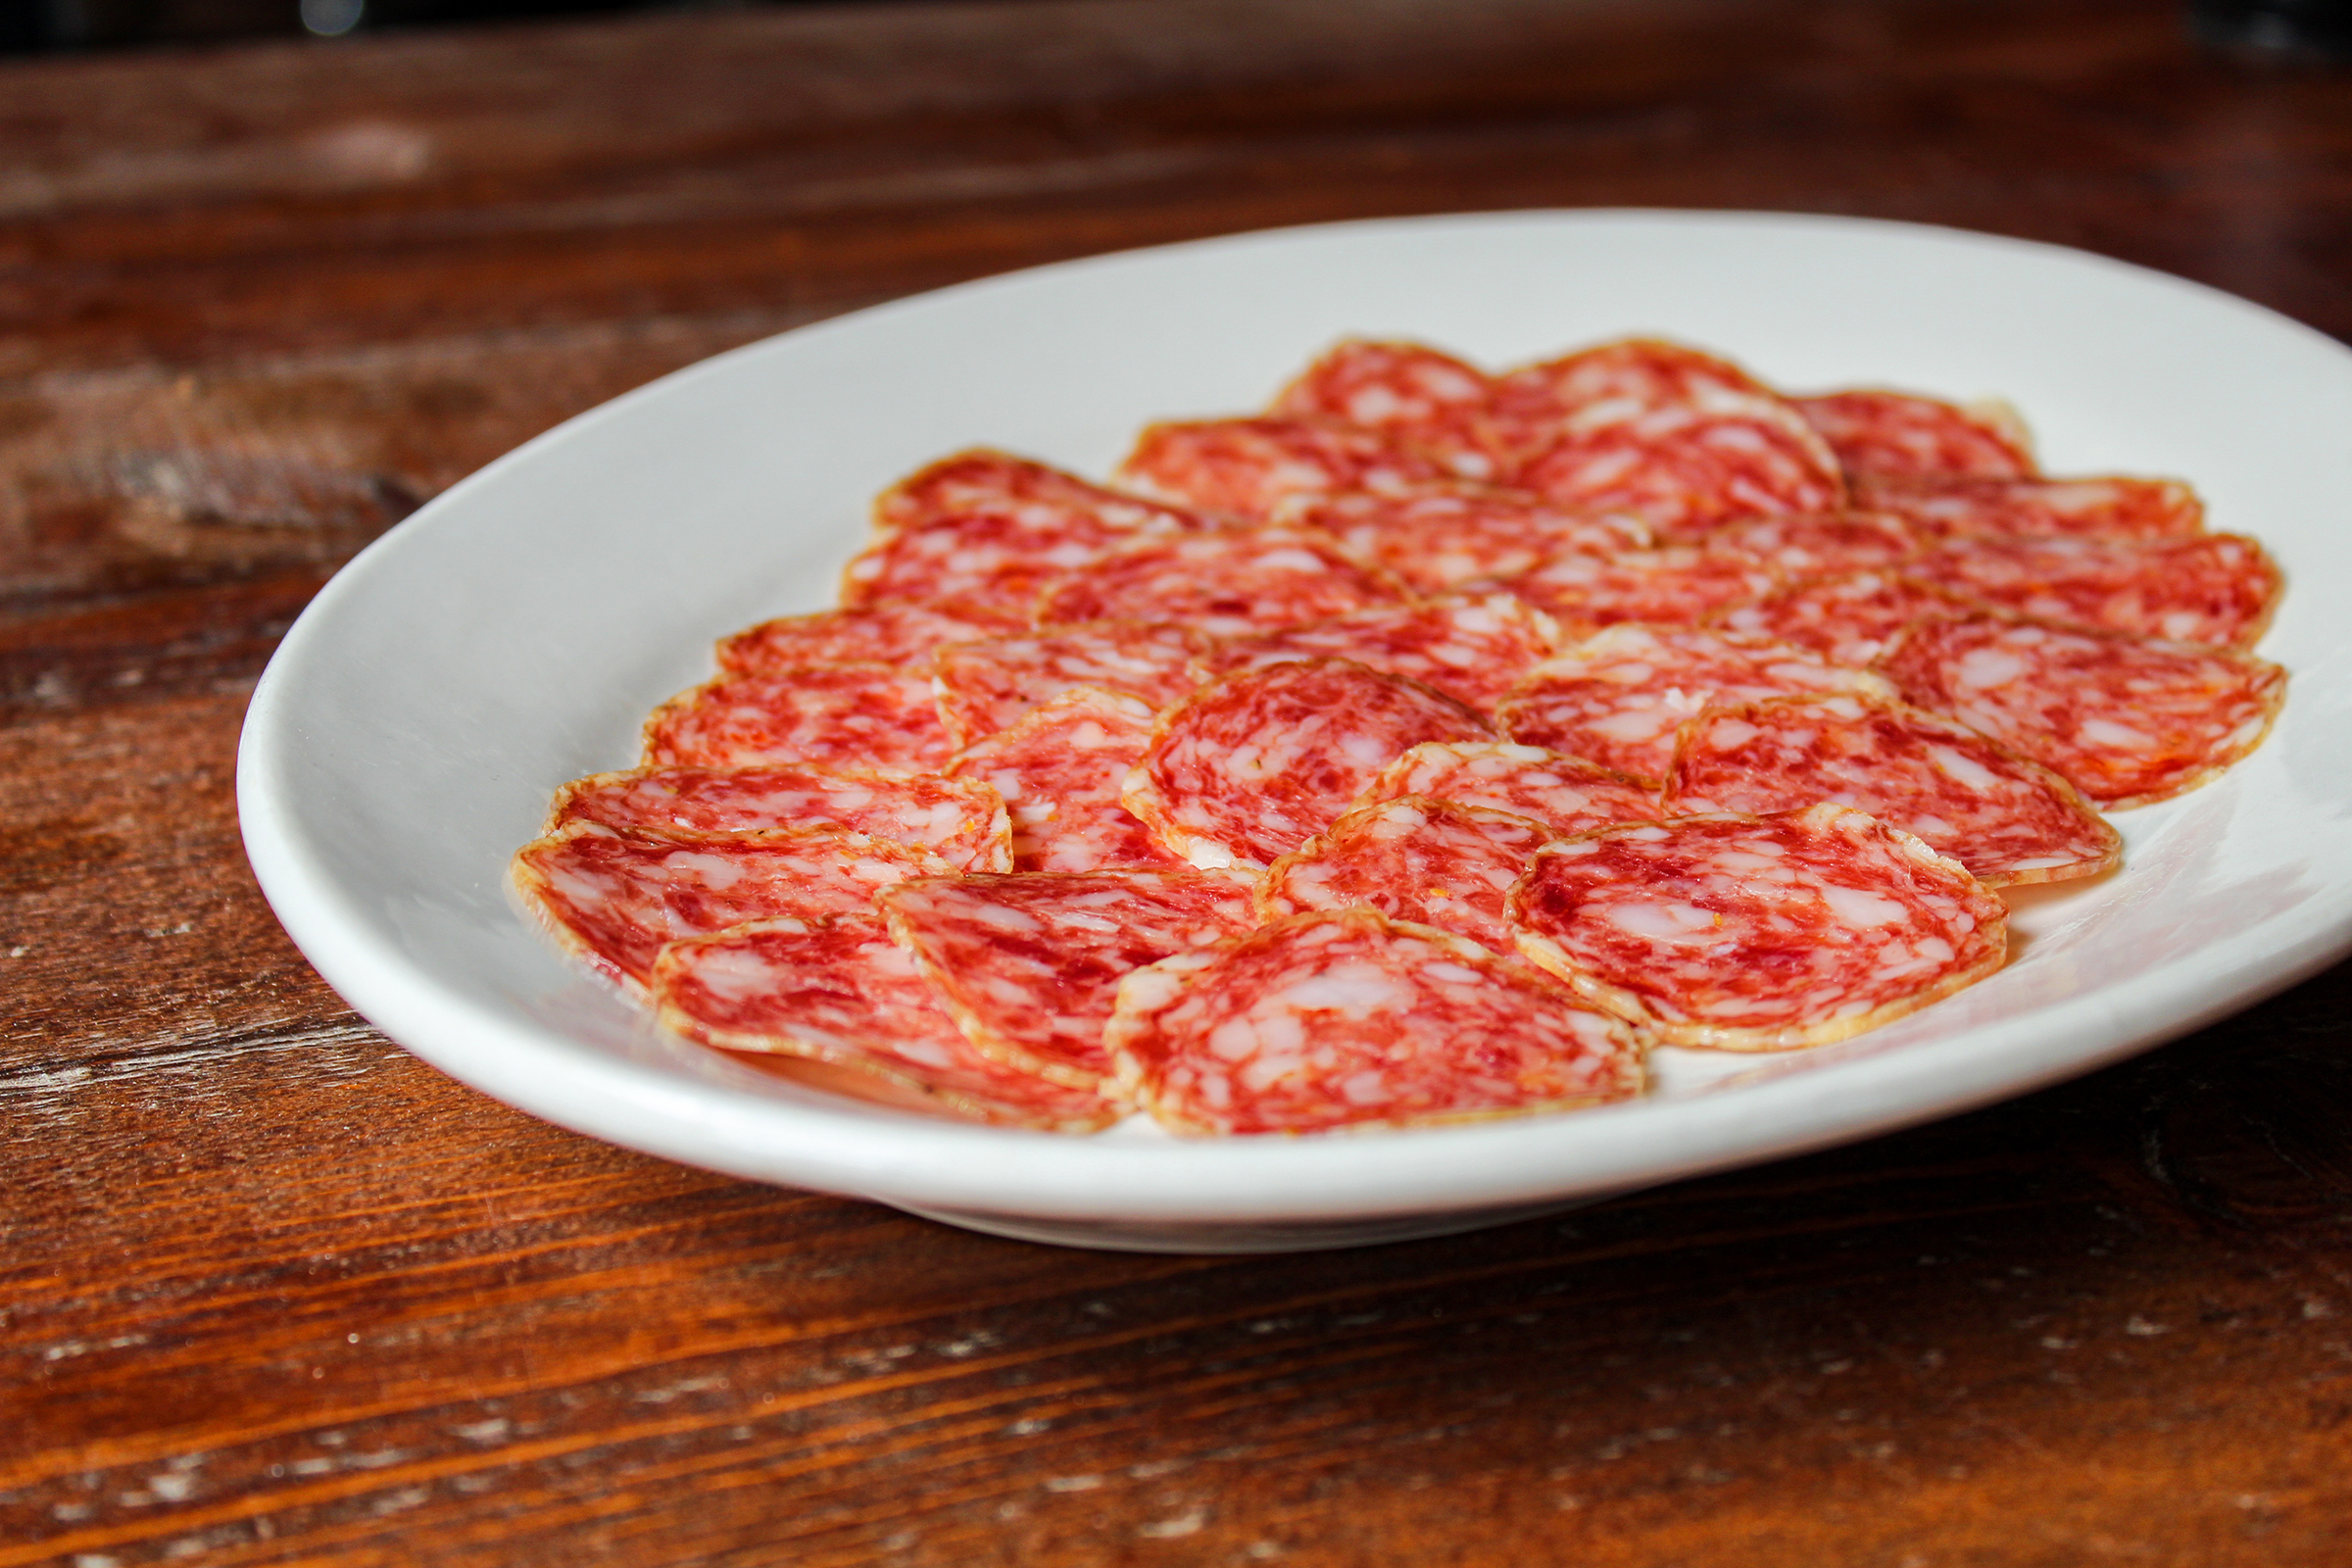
point(1029, 966)
point(962, 822)
point(1322, 1022)
point(1225, 583)
point(1901, 433)
point(1416, 394)
point(1440, 536)
point(1034, 499)
point(1685, 468)
point(851, 716)
point(1244, 467)
point(1567, 794)
point(2127, 720)
point(1531, 406)
point(1757, 933)
point(881, 635)
point(2007, 819)
point(983, 686)
point(1847, 620)
point(1678, 585)
point(1435, 863)
point(2217, 588)
point(2114, 505)
point(1474, 648)
point(1816, 544)
point(1061, 770)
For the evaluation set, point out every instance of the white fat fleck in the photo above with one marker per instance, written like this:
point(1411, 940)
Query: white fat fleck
point(1963, 768)
point(2107, 732)
point(1854, 907)
point(1984, 667)
point(1636, 725)
point(714, 871)
point(1665, 922)
point(1366, 1088)
point(1354, 988)
point(1009, 919)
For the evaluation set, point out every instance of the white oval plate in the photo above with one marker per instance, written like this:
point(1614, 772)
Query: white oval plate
point(513, 634)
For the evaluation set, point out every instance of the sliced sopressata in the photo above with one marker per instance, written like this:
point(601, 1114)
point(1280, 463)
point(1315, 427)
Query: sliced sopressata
point(2217, 588)
point(1901, 433)
point(962, 821)
point(1438, 536)
point(983, 686)
point(1419, 395)
point(2111, 505)
point(1531, 406)
point(1043, 501)
point(1436, 862)
point(1817, 543)
point(1677, 585)
point(851, 716)
point(1244, 467)
point(880, 634)
point(1849, 618)
point(1565, 793)
point(1224, 583)
point(1061, 770)
point(1470, 646)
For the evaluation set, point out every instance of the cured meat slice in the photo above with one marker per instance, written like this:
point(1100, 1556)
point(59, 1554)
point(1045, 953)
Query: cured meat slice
point(1470, 648)
point(2127, 720)
point(2215, 588)
point(1533, 405)
point(881, 635)
point(1030, 496)
point(961, 821)
point(1351, 1020)
point(1253, 766)
point(1679, 584)
point(851, 715)
point(1814, 545)
point(2114, 506)
point(2006, 820)
point(1876, 431)
point(1438, 536)
point(1757, 933)
point(1416, 394)
point(1436, 862)
point(1243, 467)
point(1849, 618)
point(614, 894)
point(1061, 770)
point(1686, 468)
point(838, 1004)
point(1564, 793)
point(983, 686)
point(1618, 698)
point(1224, 583)
point(1029, 965)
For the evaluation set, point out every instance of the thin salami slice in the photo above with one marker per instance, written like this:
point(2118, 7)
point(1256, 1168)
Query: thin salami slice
point(849, 716)
point(1440, 536)
point(614, 895)
point(1416, 394)
point(1035, 499)
point(2007, 819)
point(1244, 467)
point(2217, 588)
point(1618, 699)
point(2127, 720)
point(1564, 793)
point(840, 995)
point(1815, 545)
point(983, 686)
point(2114, 506)
point(1849, 618)
point(1472, 647)
point(1030, 965)
point(1225, 583)
point(1349, 1019)
point(1901, 433)
point(1253, 766)
point(1531, 406)
point(1683, 468)
point(1436, 862)
point(1679, 585)
point(1757, 933)
point(1061, 768)
point(962, 822)
point(882, 634)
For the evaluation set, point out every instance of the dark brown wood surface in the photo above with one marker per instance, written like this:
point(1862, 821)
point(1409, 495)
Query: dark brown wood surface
point(270, 1291)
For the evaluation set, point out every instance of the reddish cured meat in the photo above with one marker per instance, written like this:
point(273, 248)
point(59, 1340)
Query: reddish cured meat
point(1471, 647)
point(1252, 766)
point(1757, 933)
point(2114, 506)
point(1436, 862)
point(880, 634)
point(843, 999)
point(1061, 770)
point(962, 822)
point(1564, 793)
point(1244, 467)
point(1686, 468)
point(1438, 536)
point(1815, 545)
point(2127, 720)
point(2007, 819)
point(983, 686)
point(849, 716)
point(2215, 588)
point(1531, 406)
point(1417, 394)
point(617, 895)
point(1321, 1022)
point(1029, 965)
point(1849, 618)
point(1618, 699)
point(1224, 583)
point(1901, 433)
point(1033, 498)
point(1677, 585)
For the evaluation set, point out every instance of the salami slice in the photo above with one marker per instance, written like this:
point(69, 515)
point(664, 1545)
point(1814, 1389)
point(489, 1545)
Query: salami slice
point(1679, 585)
point(1033, 498)
point(1244, 467)
point(1683, 468)
point(961, 821)
point(801, 997)
point(1349, 1019)
point(1849, 618)
point(881, 635)
point(2114, 505)
point(1901, 433)
point(1531, 406)
point(849, 715)
point(1815, 545)
point(2127, 720)
point(2006, 820)
point(1440, 536)
point(2217, 588)
point(1618, 699)
point(1225, 583)
point(1757, 933)
point(1029, 965)
point(1564, 793)
point(1416, 394)
point(1435, 863)
point(614, 895)
point(983, 686)
point(1252, 766)
point(1061, 768)
point(1471, 647)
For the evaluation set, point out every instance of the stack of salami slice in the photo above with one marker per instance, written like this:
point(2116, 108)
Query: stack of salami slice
point(1428, 747)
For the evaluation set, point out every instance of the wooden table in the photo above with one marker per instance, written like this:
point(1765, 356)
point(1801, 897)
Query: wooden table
point(273, 1291)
